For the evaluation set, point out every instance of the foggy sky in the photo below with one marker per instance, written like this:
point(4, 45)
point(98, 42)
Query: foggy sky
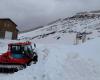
point(31, 13)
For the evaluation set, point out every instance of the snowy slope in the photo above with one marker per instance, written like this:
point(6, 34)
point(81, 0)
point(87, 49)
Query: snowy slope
point(58, 58)
point(66, 29)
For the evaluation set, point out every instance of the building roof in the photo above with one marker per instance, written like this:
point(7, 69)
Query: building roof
point(9, 20)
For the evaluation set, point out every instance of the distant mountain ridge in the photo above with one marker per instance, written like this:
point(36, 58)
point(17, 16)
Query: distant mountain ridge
point(62, 28)
point(32, 29)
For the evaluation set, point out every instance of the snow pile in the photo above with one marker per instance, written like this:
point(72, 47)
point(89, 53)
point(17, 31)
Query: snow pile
point(90, 49)
point(62, 62)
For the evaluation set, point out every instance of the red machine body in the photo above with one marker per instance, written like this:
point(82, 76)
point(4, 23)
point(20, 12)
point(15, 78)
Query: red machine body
point(6, 58)
point(18, 54)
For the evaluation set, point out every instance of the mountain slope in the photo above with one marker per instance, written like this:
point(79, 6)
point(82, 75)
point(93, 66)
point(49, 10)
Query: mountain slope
point(66, 29)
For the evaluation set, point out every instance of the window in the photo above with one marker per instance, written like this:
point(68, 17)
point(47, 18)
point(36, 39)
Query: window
point(28, 49)
point(16, 49)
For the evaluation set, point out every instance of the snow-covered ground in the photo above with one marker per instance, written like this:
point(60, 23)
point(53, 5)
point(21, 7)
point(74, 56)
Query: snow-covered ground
point(61, 62)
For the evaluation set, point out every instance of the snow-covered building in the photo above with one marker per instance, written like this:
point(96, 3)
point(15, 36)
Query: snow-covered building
point(8, 29)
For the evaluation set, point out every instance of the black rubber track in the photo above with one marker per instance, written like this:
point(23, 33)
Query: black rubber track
point(5, 69)
point(8, 70)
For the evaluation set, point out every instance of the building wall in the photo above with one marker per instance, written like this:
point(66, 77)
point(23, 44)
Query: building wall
point(15, 34)
point(2, 34)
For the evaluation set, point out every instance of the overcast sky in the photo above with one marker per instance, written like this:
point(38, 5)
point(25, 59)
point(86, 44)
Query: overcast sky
point(32, 13)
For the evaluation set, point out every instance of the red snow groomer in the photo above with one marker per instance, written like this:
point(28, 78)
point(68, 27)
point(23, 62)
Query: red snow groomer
point(19, 56)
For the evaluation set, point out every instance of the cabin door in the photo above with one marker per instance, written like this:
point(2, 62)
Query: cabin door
point(8, 35)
